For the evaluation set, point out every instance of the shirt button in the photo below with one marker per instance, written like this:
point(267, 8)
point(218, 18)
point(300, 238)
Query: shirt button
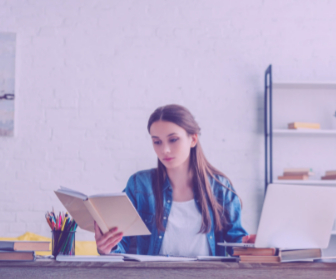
point(168, 201)
point(164, 217)
point(160, 236)
point(210, 237)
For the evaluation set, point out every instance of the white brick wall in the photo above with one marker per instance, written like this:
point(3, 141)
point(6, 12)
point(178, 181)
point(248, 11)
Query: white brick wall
point(89, 74)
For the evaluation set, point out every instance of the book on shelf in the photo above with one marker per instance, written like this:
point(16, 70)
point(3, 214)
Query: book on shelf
point(108, 210)
point(298, 173)
point(329, 177)
point(298, 125)
point(293, 177)
point(17, 255)
point(330, 172)
point(295, 170)
point(284, 256)
point(25, 245)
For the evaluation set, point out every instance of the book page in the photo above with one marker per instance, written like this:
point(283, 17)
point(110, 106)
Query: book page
point(72, 193)
point(248, 245)
point(216, 258)
point(118, 211)
point(148, 258)
point(107, 194)
point(95, 216)
point(106, 258)
point(75, 206)
point(138, 227)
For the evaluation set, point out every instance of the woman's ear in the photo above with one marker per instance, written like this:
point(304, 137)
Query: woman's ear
point(194, 139)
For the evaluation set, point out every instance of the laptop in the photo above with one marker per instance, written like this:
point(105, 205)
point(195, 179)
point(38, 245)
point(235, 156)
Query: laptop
point(295, 217)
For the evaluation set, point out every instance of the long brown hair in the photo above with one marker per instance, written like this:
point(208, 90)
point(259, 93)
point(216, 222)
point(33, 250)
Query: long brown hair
point(201, 169)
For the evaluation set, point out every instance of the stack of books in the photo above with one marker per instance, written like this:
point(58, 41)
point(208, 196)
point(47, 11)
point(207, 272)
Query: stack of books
point(303, 125)
point(21, 250)
point(329, 175)
point(273, 255)
point(296, 174)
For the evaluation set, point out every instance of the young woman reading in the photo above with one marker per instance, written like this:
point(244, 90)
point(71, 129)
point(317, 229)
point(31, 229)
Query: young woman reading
point(186, 203)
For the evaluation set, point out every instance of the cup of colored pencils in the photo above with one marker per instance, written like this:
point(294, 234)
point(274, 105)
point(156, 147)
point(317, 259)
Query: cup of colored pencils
point(63, 230)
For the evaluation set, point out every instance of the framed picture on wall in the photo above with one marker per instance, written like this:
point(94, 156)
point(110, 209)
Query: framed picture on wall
point(7, 82)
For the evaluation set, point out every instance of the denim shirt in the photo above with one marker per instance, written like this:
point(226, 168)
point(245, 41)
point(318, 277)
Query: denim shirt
point(139, 191)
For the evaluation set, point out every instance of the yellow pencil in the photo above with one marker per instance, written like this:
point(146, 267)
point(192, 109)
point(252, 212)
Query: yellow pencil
point(64, 222)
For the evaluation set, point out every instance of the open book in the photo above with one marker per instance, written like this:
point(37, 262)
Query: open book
point(159, 258)
point(229, 244)
point(108, 210)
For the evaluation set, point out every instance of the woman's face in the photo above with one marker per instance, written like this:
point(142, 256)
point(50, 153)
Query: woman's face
point(171, 143)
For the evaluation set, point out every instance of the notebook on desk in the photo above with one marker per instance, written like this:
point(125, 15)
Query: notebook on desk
point(295, 217)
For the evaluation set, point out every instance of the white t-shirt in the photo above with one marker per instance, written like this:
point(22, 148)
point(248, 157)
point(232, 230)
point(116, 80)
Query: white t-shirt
point(181, 237)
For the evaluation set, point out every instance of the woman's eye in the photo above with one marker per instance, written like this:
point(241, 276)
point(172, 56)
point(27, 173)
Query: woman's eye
point(156, 142)
point(173, 140)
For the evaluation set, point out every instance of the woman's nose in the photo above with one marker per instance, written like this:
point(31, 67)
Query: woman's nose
point(166, 149)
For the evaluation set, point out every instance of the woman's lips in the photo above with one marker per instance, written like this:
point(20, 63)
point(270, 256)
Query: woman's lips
point(168, 159)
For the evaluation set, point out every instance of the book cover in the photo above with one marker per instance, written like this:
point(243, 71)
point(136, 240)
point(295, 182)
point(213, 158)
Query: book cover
point(330, 172)
point(298, 173)
point(293, 177)
point(17, 255)
point(329, 177)
point(108, 210)
point(260, 259)
point(295, 125)
point(284, 256)
point(25, 245)
point(245, 251)
point(309, 170)
point(288, 255)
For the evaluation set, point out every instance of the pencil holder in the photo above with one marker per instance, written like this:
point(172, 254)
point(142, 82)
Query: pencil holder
point(63, 242)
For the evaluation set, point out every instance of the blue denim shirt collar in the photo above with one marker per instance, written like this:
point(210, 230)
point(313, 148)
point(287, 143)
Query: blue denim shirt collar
point(166, 184)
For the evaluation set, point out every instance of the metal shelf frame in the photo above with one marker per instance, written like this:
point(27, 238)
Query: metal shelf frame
point(268, 125)
point(268, 129)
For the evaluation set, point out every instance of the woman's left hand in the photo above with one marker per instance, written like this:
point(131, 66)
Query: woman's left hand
point(249, 238)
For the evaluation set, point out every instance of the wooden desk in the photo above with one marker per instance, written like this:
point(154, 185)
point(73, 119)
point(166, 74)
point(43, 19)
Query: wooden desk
point(53, 269)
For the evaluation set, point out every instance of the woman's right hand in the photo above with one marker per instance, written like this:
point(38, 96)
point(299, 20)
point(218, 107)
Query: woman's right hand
point(105, 242)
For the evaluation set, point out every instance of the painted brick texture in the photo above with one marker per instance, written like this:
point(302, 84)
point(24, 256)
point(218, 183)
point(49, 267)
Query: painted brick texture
point(89, 73)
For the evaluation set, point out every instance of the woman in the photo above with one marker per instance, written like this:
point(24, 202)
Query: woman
point(187, 204)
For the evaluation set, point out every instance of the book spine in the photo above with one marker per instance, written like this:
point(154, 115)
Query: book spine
point(304, 125)
point(329, 177)
point(260, 259)
point(302, 177)
point(331, 172)
point(238, 251)
point(7, 245)
point(95, 215)
point(296, 173)
point(298, 170)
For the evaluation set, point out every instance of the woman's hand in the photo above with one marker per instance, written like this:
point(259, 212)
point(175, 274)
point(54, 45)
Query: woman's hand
point(249, 238)
point(105, 242)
